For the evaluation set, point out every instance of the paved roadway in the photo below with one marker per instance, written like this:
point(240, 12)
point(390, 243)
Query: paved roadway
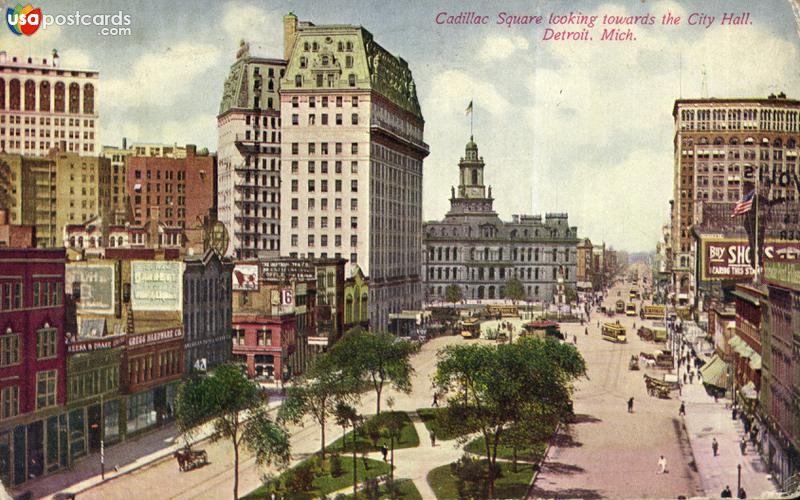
point(609, 452)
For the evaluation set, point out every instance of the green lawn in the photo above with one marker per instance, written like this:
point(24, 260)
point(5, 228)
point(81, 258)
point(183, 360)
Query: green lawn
point(508, 485)
point(407, 491)
point(325, 483)
point(532, 453)
point(428, 416)
point(408, 439)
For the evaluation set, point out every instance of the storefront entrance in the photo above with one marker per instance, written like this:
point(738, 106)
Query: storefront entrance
point(95, 428)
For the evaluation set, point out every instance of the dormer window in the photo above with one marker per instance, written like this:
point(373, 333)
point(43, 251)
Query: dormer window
point(314, 46)
point(325, 60)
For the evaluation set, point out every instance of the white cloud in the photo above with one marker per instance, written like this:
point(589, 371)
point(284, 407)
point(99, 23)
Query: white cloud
point(261, 28)
point(497, 47)
point(159, 79)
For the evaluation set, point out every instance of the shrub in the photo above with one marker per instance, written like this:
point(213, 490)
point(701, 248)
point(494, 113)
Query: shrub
point(336, 466)
point(301, 478)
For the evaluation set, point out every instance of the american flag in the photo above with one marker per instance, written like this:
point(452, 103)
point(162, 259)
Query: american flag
point(744, 205)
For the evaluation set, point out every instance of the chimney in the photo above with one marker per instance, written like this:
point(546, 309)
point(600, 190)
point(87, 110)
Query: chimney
point(124, 143)
point(191, 150)
point(289, 34)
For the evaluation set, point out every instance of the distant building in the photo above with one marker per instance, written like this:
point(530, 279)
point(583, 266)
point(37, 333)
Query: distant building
point(476, 251)
point(14, 235)
point(33, 366)
point(352, 151)
point(118, 156)
point(584, 270)
point(45, 106)
point(52, 192)
point(177, 192)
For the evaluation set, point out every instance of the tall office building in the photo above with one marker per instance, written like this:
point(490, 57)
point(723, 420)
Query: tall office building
point(44, 106)
point(351, 160)
point(720, 144)
point(248, 177)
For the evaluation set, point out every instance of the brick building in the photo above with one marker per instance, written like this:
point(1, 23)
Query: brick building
point(177, 192)
point(32, 364)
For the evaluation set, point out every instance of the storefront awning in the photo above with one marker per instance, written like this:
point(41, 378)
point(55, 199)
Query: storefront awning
point(749, 391)
point(755, 361)
point(715, 372)
point(735, 341)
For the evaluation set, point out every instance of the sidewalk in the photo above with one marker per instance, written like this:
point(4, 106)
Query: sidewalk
point(706, 420)
point(129, 456)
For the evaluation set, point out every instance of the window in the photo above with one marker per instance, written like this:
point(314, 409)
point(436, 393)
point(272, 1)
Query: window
point(324, 166)
point(296, 119)
point(46, 343)
point(46, 388)
point(295, 148)
point(310, 240)
point(351, 80)
point(353, 167)
point(338, 148)
point(354, 240)
point(9, 401)
point(354, 102)
point(353, 203)
point(354, 119)
point(354, 185)
point(324, 101)
point(338, 101)
point(338, 185)
point(9, 350)
point(311, 222)
point(312, 148)
point(294, 240)
point(294, 221)
point(294, 185)
point(337, 240)
point(338, 118)
point(354, 222)
point(324, 118)
point(295, 102)
point(337, 223)
point(312, 167)
point(354, 148)
point(311, 186)
point(312, 102)
point(295, 167)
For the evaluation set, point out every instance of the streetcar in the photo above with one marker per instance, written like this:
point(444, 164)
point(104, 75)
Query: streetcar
point(614, 332)
point(630, 309)
point(620, 306)
point(634, 293)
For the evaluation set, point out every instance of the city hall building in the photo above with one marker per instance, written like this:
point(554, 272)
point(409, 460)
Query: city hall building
point(472, 248)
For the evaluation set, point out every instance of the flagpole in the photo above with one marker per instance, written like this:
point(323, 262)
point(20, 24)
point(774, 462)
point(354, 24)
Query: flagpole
point(471, 116)
point(755, 242)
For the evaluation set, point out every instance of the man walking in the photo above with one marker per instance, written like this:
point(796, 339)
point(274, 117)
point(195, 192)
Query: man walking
point(682, 410)
point(384, 451)
point(433, 439)
point(630, 405)
point(715, 446)
point(743, 445)
point(435, 400)
point(662, 465)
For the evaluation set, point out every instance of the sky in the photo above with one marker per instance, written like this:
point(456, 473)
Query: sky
point(583, 127)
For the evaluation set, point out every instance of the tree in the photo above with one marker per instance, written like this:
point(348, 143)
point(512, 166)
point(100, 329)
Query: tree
point(233, 405)
point(494, 388)
point(453, 294)
point(569, 294)
point(514, 290)
point(374, 359)
point(317, 394)
point(347, 416)
point(391, 425)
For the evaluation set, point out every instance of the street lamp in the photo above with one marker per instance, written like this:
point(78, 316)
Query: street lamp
point(738, 479)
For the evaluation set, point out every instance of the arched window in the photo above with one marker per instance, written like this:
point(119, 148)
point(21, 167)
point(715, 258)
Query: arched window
point(59, 97)
point(88, 99)
point(749, 140)
point(298, 80)
point(80, 241)
point(30, 95)
point(74, 98)
point(718, 141)
point(14, 97)
point(351, 80)
point(733, 141)
point(474, 176)
point(44, 96)
point(72, 241)
point(778, 143)
point(2, 93)
point(702, 140)
point(791, 143)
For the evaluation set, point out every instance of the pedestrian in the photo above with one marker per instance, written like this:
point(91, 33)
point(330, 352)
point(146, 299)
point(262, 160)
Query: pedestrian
point(662, 465)
point(682, 410)
point(684, 379)
point(575, 339)
point(726, 493)
point(743, 445)
point(586, 331)
point(433, 439)
point(715, 446)
point(742, 493)
point(435, 403)
point(691, 377)
point(384, 451)
point(630, 405)
point(734, 412)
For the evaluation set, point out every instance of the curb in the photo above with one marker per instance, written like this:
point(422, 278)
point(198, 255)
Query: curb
point(528, 494)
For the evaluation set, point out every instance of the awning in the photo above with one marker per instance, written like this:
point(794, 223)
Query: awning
point(715, 372)
point(735, 341)
point(749, 391)
point(755, 361)
point(585, 285)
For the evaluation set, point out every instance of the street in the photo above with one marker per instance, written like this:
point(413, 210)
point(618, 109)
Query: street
point(609, 452)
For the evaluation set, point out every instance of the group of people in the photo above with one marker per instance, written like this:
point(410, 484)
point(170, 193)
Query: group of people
point(727, 493)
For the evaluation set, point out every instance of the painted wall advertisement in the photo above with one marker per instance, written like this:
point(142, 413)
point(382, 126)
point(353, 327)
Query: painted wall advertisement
point(245, 277)
point(156, 286)
point(729, 258)
point(92, 287)
point(783, 273)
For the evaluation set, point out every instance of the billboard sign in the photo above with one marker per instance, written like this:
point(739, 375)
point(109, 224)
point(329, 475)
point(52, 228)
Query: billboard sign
point(91, 286)
point(245, 277)
point(156, 285)
point(729, 258)
point(785, 274)
point(157, 337)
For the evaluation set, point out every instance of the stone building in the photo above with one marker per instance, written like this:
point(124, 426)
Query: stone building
point(352, 151)
point(45, 106)
point(249, 148)
point(472, 248)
